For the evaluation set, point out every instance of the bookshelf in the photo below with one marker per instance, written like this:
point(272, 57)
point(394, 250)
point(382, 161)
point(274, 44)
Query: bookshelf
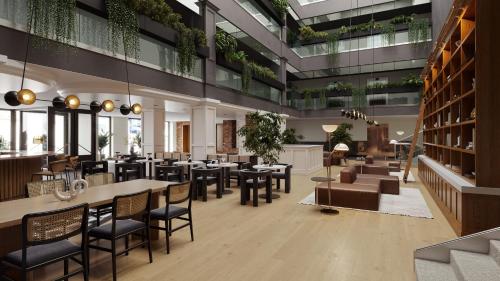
point(450, 96)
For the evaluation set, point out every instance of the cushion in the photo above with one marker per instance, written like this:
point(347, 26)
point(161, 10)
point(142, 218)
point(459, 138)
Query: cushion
point(367, 181)
point(39, 254)
point(260, 182)
point(369, 159)
point(348, 175)
point(173, 211)
point(122, 227)
point(279, 175)
point(208, 178)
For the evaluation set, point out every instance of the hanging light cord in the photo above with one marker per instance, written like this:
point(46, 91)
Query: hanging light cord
point(128, 82)
point(373, 63)
point(27, 47)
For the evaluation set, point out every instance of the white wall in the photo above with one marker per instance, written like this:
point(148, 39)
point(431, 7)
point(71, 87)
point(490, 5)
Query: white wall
point(119, 127)
point(312, 132)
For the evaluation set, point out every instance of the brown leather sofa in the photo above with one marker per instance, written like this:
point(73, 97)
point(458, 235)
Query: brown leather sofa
point(389, 184)
point(393, 166)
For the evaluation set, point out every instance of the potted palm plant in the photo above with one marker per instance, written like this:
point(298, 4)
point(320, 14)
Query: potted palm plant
point(103, 140)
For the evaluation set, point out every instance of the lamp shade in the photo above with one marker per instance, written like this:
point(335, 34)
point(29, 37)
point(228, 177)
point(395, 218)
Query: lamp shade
point(58, 103)
point(26, 97)
point(329, 128)
point(341, 147)
point(400, 133)
point(136, 108)
point(124, 109)
point(11, 98)
point(393, 142)
point(108, 105)
point(95, 107)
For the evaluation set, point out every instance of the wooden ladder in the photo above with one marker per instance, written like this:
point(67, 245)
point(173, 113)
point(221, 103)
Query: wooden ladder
point(415, 138)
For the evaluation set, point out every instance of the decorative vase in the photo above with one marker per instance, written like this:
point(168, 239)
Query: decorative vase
point(76, 187)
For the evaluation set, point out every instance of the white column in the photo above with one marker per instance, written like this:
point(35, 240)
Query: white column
point(240, 123)
point(203, 131)
point(153, 131)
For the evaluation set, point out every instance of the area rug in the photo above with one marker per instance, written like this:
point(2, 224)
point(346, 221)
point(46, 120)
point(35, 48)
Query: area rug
point(409, 202)
point(400, 175)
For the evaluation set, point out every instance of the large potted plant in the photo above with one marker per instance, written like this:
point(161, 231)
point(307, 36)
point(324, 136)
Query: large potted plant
point(103, 140)
point(342, 135)
point(263, 136)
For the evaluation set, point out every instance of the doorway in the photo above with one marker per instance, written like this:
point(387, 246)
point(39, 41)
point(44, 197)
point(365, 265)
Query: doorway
point(186, 137)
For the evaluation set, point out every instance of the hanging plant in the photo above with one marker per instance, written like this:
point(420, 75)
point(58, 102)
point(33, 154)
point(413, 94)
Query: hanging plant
point(388, 32)
point(418, 31)
point(322, 98)
point(52, 19)
point(280, 6)
point(123, 27)
point(186, 50)
point(246, 77)
point(307, 99)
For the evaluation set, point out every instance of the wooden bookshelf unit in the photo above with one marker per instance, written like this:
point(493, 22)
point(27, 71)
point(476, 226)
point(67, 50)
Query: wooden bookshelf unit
point(450, 93)
point(461, 120)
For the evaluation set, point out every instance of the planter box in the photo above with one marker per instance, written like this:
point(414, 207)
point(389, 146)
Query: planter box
point(394, 90)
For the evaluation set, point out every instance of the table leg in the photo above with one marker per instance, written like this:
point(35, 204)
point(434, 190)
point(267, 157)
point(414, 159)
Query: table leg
point(273, 195)
point(225, 181)
point(150, 170)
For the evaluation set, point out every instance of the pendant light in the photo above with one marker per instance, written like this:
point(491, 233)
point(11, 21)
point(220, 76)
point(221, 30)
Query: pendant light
point(136, 108)
point(108, 105)
point(58, 103)
point(11, 98)
point(95, 107)
point(72, 102)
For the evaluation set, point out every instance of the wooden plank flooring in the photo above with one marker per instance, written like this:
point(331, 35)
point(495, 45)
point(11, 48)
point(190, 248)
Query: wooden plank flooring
point(281, 241)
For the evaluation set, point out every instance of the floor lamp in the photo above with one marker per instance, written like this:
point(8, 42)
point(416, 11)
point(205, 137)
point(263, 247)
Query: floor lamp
point(329, 129)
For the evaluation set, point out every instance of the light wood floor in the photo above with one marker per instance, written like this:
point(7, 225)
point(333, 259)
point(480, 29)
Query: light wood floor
point(282, 241)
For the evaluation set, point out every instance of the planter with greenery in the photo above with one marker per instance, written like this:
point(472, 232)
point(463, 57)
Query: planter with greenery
point(103, 140)
point(280, 6)
point(290, 137)
point(52, 19)
point(341, 135)
point(3, 143)
point(262, 136)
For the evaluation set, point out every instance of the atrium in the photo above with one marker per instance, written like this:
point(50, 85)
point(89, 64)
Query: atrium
point(249, 140)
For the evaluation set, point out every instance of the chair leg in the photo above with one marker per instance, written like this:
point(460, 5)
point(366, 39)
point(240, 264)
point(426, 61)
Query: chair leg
point(148, 234)
point(191, 225)
point(204, 190)
point(255, 195)
point(243, 193)
point(287, 184)
point(98, 217)
point(167, 235)
point(169, 227)
point(66, 266)
point(113, 258)
point(278, 184)
point(126, 245)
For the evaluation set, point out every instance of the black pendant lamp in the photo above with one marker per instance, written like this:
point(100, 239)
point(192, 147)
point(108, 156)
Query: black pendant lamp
point(136, 108)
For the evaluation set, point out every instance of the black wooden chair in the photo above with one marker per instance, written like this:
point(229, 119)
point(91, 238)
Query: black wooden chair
point(286, 175)
point(45, 241)
point(128, 171)
point(169, 173)
point(93, 167)
point(203, 177)
point(126, 210)
point(96, 180)
point(175, 194)
point(255, 180)
point(235, 173)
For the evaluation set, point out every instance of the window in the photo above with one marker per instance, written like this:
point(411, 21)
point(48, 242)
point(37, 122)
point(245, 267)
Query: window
point(5, 127)
point(104, 136)
point(60, 134)
point(34, 131)
point(134, 135)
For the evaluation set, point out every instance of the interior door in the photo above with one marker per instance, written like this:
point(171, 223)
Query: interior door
point(186, 136)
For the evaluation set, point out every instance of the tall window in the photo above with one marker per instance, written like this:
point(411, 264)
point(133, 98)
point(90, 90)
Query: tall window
point(5, 126)
point(134, 135)
point(34, 131)
point(169, 136)
point(104, 136)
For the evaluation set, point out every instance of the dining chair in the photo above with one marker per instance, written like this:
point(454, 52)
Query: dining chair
point(128, 171)
point(37, 188)
point(284, 175)
point(130, 216)
point(93, 167)
point(45, 241)
point(204, 177)
point(175, 195)
point(235, 173)
point(255, 180)
point(176, 155)
point(56, 168)
point(72, 165)
point(169, 173)
point(96, 180)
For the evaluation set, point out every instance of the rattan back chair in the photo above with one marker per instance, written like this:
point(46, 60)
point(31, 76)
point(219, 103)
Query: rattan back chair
point(131, 216)
point(96, 180)
point(45, 241)
point(37, 188)
point(175, 194)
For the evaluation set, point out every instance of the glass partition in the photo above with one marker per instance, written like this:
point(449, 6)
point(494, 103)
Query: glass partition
point(84, 134)
point(34, 131)
point(230, 79)
point(261, 16)
point(104, 136)
point(134, 135)
point(5, 127)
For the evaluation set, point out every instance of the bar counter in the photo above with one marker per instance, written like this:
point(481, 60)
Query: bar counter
point(16, 168)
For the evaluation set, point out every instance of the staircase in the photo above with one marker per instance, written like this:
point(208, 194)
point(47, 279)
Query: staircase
point(474, 257)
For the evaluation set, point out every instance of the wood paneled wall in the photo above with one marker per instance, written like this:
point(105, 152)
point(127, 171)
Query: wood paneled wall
point(14, 174)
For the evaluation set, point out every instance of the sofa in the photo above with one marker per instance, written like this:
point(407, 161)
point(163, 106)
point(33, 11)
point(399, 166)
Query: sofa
point(394, 166)
point(359, 191)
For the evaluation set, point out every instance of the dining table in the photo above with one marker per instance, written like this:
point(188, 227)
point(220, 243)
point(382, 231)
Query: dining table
point(226, 174)
point(275, 167)
point(12, 212)
point(189, 164)
point(150, 163)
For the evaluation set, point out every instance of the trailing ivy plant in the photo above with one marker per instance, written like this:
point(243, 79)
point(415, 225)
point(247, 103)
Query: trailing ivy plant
point(280, 6)
point(307, 100)
point(52, 19)
point(418, 30)
point(123, 27)
point(322, 98)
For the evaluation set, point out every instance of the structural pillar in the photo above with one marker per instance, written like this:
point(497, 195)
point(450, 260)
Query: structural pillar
point(209, 14)
point(153, 131)
point(203, 130)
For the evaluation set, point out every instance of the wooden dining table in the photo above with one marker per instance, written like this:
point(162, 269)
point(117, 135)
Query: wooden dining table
point(12, 212)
